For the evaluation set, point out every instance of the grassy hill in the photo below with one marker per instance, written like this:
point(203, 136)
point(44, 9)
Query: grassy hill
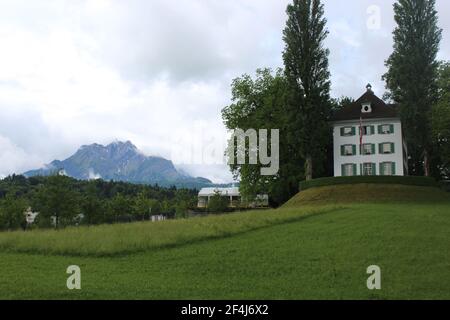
point(367, 193)
point(317, 246)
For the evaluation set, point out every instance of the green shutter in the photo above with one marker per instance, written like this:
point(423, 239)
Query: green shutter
point(380, 129)
point(381, 169)
point(374, 169)
point(380, 148)
point(391, 128)
point(393, 169)
point(342, 150)
point(373, 149)
point(353, 131)
point(343, 170)
point(372, 129)
point(361, 169)
point(393, 147)
point(354, 150)
point(342, 132)
point(354, 170)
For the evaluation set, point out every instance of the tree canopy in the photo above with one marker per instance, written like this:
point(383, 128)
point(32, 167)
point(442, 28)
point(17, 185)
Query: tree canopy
point(62, 201)
point(306, 68)
point(412, 74)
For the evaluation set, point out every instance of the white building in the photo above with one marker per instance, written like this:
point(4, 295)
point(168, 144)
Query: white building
point(157, 218)
point(30, 216)
point(368, 139)
point(233, 195)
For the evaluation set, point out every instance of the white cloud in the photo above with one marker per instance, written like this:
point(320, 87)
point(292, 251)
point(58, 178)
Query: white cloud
point(156, 72)
point(13, 157)
point(93, 176)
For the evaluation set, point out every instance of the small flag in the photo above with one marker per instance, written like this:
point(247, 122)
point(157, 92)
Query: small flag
point(360, 133)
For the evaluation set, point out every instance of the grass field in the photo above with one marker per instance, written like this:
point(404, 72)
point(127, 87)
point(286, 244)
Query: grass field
point(316, 247)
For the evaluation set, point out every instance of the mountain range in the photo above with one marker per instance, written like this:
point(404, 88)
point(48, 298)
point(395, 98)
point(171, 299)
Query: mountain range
point(120, 161)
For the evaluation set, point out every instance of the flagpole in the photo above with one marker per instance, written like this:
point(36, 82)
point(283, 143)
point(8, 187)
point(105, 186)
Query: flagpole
point(361, 165)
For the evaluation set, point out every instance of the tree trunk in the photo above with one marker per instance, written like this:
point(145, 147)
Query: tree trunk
point(309, 167)
point(426, 163)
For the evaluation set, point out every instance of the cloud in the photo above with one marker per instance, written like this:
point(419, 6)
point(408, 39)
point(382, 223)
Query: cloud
point(157, 72)
point(13, 157)
point(93, 175)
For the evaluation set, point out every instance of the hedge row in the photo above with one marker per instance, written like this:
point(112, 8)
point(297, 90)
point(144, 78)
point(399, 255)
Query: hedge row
point(445, 185)
point(409, 181)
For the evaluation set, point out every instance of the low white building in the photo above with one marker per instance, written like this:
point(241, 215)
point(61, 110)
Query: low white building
point(233, 195)
point(30, 216)
point(368, 139)
point(157, 218)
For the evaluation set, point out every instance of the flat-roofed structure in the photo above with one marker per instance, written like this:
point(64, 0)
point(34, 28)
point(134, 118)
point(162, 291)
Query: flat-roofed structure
point(233, 195)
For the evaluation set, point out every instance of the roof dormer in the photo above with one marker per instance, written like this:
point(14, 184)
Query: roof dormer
point(366, 107)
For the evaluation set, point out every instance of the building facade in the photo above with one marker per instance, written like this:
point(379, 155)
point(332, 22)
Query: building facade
point(368, 139)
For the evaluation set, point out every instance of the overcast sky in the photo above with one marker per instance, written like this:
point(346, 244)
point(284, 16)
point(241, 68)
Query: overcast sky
point(158, 72)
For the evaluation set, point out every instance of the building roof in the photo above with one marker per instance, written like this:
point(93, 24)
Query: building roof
point(205, 192)
point(379, 108)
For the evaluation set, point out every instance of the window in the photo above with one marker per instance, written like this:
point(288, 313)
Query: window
point(386, 129)
point(386, 148)
point(366, 107)
point(348, 150)
point(348, 131)
point(368, 149)
point(368, 130)
point(387, 168)
point(348, 170)
point(368, 169)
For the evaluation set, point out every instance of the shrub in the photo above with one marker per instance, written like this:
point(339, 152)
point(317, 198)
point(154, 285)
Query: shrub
point(331, 181)
point(218, 204)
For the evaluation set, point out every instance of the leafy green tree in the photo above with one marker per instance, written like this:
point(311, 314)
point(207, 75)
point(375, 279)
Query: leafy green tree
point(340, 103)
point(92, 207)
point(121, 206)
point(306, 68)
point(181, 209)
point(156, 207)
point(12, 212)
point(217, 203)
point(261, 103)
point(412, 73)
point(441, 125)
point(57, 202)
point(144, 207)
point(167, 207)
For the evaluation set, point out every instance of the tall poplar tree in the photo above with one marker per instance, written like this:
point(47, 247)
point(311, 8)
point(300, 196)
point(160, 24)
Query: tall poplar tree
point(412, 75)
point(306, 68)
point(441, 125)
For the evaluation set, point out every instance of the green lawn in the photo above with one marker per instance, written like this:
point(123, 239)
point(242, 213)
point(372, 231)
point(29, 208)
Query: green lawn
point(291, 253)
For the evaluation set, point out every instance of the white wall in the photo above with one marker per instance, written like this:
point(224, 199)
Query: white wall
point(376, 139)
